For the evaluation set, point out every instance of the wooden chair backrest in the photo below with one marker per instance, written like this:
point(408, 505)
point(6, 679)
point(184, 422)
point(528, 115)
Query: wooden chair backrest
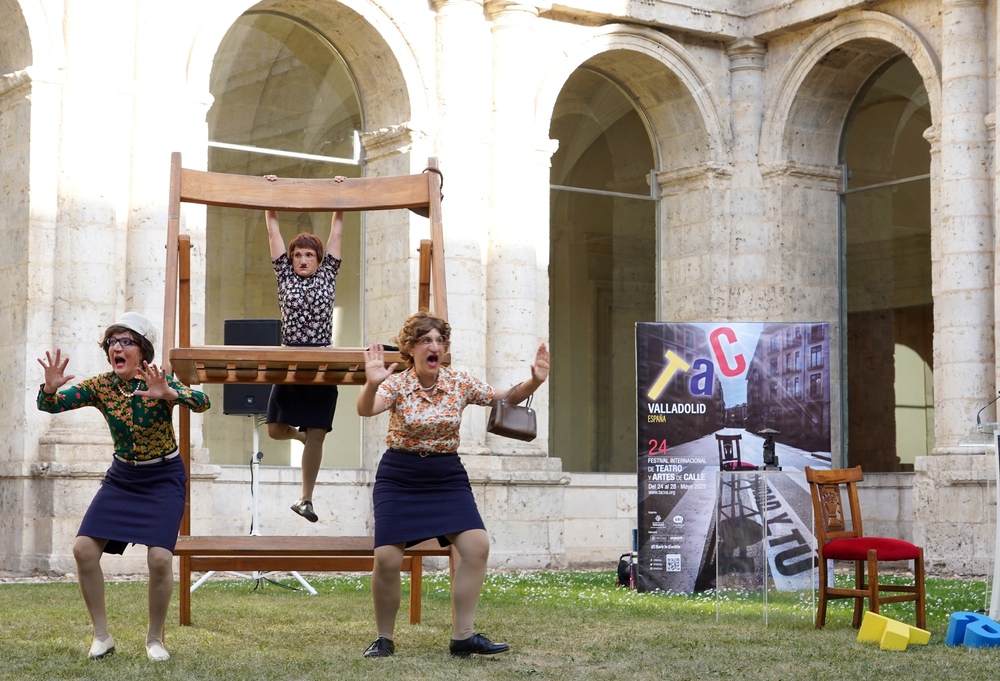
point(729, 450)
point(420, 193)
point(832, 518)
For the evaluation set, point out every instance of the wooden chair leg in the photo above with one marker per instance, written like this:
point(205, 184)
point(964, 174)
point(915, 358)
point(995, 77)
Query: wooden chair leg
point(821, 604)
point(918, 582)
point(416, 586)
point(184, 589)
point(859, 585)
point(873, 594)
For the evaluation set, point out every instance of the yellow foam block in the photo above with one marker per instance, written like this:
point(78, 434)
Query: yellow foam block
point(919, 636)
point(872, 627)
point(895, 637)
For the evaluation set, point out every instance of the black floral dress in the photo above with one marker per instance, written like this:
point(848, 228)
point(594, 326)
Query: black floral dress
point(306, 320)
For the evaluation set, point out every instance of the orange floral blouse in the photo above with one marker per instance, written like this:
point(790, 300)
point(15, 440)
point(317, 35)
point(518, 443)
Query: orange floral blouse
point(141, 428)
point(430, 423)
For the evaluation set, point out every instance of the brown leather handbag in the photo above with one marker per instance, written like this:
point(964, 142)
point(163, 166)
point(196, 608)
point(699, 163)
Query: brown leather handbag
point(513, 420)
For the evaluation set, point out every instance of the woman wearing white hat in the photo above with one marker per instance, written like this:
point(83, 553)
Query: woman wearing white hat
point(141, 499)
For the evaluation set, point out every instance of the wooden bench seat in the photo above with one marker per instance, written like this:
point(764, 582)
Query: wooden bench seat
point(314, 554)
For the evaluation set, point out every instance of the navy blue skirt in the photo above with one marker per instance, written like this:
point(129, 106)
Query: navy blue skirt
point(138, 505)
point(418, 498)
point(303, 406)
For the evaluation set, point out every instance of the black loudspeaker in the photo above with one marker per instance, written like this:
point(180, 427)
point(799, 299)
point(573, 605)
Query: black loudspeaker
point(249, 398)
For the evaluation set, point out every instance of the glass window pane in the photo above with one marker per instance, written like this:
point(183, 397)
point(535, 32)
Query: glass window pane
point(884, 135)
point(283, 96)
point(602, 272)
point(887, 273)
point(280, 85)
point(890, 327)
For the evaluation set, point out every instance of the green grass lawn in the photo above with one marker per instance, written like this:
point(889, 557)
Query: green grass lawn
point(560, 625)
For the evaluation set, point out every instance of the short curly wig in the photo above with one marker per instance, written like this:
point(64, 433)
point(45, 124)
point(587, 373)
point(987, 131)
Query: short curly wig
point(417, 325)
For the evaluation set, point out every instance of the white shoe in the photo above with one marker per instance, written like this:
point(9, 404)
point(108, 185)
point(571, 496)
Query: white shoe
point(99, 649)
point(156, 652)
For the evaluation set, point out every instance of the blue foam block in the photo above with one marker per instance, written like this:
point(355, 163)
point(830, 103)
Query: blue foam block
point(984, 633)
point(956, 627)
point(972, 629)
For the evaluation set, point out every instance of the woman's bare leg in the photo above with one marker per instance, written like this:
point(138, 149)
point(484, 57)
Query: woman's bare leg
point(312, 457)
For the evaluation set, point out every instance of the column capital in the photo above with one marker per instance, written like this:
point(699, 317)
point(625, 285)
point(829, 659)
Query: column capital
point(442, 4)
point(746, 53)
point(497, 7)
point(933, 135)
point(389, 141)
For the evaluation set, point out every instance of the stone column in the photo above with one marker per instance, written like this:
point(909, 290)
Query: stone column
point(518, 235)
point(950, 502)
point(963, 241)
point(462, 147)
point(753, 263)
point(93, 171)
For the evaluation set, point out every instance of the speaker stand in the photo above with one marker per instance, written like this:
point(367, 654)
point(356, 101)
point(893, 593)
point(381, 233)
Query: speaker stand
point(261, 578)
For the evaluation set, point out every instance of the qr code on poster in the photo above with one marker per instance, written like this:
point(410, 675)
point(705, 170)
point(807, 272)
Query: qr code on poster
point(672, 562)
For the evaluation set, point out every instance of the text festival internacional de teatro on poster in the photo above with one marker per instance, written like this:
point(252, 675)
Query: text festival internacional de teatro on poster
point(729, 414)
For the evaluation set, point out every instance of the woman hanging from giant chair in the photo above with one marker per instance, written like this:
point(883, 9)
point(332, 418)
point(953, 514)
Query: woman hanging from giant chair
point(307, 286)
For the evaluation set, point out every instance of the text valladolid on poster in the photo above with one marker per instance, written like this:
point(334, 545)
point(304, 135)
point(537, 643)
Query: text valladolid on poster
point(729, 415)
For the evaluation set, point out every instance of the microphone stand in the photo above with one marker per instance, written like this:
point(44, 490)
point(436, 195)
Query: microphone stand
point(978, 422)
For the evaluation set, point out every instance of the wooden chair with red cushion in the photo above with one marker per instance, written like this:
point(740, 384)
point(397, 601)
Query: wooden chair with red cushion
point(841, 537)
point(730, 458)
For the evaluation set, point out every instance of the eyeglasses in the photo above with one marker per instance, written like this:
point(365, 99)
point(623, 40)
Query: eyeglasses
point(428, 340)
point(124, 342)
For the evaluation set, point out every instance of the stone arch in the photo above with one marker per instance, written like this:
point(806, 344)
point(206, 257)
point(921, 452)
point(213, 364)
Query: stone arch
point(26, 37)
point(800, 119)
point(362, 33)
point(688, 126)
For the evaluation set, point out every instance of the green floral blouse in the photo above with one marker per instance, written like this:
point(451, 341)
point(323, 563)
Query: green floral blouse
point(140, 427)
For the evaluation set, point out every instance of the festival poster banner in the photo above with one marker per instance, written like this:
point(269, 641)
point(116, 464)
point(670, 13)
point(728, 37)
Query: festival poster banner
point(716, 404)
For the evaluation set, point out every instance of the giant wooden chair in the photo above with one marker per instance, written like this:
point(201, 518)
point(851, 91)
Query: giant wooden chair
point(193, 364)
point(841, 537)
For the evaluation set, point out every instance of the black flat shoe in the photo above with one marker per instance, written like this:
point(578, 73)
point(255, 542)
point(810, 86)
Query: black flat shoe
point(381, 647)
point(476, 644)
point(304, 508)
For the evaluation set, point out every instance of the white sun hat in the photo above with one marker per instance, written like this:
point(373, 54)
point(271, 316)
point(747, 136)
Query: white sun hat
point(138, 323)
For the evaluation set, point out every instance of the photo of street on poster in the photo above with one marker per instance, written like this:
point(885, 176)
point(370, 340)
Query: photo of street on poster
point(729, 415)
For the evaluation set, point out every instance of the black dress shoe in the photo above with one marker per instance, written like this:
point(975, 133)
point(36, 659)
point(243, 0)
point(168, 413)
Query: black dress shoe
point(477, 644)
point(381, 647)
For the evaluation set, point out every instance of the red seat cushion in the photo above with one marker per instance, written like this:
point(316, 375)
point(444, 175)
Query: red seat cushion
point(857, 549)
point(738, 467)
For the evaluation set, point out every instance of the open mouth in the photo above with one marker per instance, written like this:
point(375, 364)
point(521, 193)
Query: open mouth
point(432, 360)
point(119, 362)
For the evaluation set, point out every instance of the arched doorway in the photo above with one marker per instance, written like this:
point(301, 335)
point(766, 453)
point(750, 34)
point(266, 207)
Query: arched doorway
point(285, 104)
point(887, 303)
point(603, 269)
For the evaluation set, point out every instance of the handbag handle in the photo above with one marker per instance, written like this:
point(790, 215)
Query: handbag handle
point(527, 404)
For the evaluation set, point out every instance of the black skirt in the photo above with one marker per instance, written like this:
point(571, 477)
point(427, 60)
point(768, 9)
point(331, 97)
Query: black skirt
point(418, 498)
point(303, 406)
point(138, 505)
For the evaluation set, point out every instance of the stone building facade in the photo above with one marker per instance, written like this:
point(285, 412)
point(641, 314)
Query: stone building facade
point(605, 162)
